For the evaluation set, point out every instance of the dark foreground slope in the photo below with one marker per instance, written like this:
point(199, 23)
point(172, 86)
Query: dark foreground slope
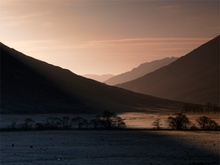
point(32, 86)
point(140, 71)
point(192, 78)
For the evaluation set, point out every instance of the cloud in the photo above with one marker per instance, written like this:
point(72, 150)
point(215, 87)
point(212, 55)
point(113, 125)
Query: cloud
point(49, 44)
point(148, 41)
point(18, 17)
point(44, 45)
point(15, 19)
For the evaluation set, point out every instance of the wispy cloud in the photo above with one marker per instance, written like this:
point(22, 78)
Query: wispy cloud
point(143, 41)
point(44, 45)
point(22, 16)
point(166, 44)
point(17, 19)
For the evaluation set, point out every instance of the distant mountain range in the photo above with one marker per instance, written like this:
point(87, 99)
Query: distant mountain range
point(100, 78)
point(192, 78)
point(32, 86)
point(140, 71)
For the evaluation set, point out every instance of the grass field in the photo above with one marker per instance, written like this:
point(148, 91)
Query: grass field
point(110, 147)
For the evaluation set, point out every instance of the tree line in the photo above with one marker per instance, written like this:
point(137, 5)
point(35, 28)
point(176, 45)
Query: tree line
point(106, 120)
point(181, 122)
point(109, 120)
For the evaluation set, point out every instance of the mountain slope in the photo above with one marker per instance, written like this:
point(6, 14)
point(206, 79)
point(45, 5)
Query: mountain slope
point(192, 78)
point(32, 86)
point(140, 71)
point(100, 78)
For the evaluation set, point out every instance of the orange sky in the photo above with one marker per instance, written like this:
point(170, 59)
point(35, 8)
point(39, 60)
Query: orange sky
point(106, 36)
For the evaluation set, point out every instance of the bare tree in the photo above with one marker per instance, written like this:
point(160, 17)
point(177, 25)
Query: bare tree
point(12, 126)
point(157, 124)
point(28, 123)
point(119, 122)
point(110, 120)
point(80, 121)
point(65, 122)
point(206, 123)
point(106, 119)
point(180, 121)
point(52, 123)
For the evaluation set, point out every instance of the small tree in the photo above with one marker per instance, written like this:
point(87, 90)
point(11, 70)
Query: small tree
point(206, 123)
point(80, 121)
point(157, 123)
point(12, 126)
point(65, 122)
point(52, 123)
point(110, 120)
point(106, 119)
point(180, 121)
point(119, 123)
point(213, 125)
point(202, 122)
point(28, 123)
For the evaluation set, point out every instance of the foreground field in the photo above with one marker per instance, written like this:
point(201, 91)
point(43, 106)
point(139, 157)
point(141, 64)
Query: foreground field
point(110, 147)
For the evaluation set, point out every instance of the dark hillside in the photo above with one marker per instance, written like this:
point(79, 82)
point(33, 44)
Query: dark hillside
point(192, 78)
point(32, 86)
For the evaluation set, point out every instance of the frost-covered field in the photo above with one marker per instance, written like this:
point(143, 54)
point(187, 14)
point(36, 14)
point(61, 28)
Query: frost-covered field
point(110, 147)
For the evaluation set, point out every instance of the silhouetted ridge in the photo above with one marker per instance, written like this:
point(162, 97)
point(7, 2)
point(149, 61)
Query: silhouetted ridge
point(140, 71)
point(192, 78)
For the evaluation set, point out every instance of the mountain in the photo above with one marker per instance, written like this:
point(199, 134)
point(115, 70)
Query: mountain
point(100, 78)
point(32, 86)
point(140, 71)
point(192, 78)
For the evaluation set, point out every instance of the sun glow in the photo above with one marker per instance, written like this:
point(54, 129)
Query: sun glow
point(106, 36)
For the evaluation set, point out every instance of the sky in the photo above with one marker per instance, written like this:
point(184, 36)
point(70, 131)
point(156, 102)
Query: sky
point(106, 36)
